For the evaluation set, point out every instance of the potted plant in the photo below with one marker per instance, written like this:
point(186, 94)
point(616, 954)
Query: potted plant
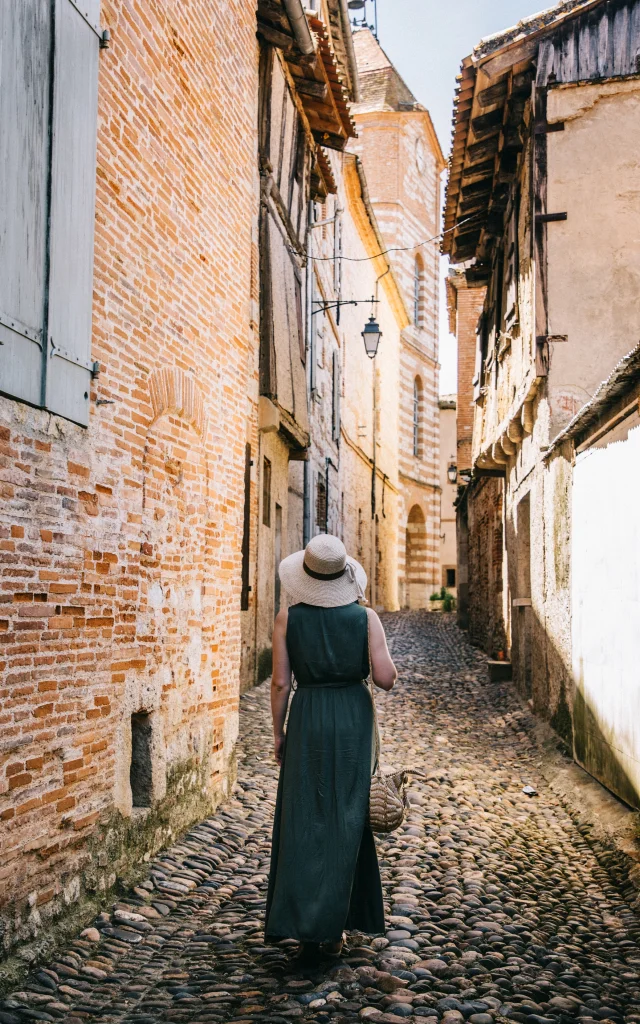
point(442, 601)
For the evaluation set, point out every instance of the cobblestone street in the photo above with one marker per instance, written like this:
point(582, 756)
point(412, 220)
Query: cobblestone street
point(496, 904)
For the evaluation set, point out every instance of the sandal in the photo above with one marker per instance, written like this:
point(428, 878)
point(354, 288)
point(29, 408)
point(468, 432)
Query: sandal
point(333, 949)
point(308, 953)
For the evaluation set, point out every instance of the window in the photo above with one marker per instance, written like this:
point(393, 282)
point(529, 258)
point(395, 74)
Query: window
point(246, 530)
point(47, 213)
point(417, 291)
point(299, 318)
point(450, 580)
point(321, 505)
point(140, 771)
point(416, 416)
point(337, 258)
point(266, 492)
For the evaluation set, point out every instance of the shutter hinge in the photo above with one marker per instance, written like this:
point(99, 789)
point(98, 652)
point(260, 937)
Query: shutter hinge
point(86, 364)
point(103, 36)
point(542, 338)
point(546, 218)
point(544, 128)
point(18, 327)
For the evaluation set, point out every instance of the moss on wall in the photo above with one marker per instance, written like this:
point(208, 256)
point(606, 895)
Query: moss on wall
point(265, 664)
point(114, 858)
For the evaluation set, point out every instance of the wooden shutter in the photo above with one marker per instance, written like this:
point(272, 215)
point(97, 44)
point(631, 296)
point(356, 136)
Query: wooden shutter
point(511, 267)
point(25, 45)
point(336, 397)
point(73, 173)
point(337, 258)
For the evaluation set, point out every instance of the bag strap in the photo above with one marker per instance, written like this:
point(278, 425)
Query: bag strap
point(373, 701)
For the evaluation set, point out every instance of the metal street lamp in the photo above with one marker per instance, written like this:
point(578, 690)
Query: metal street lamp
point(452, 473)
point(371, 337)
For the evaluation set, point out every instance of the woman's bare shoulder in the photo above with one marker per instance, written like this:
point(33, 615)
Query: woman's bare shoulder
point(281, 618)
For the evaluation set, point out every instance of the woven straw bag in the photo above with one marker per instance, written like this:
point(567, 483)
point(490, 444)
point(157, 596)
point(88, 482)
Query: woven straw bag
point(387, 797)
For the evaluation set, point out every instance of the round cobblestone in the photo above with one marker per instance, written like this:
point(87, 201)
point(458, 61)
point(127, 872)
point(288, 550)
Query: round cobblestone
point(497, 907)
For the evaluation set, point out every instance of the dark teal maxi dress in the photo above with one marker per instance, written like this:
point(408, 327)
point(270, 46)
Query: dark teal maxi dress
point(324, 870)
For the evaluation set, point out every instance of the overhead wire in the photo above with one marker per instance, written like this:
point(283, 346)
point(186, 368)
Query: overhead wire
point(396, 248)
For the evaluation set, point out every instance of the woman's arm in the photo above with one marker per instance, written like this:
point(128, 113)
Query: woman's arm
point(280, 682)
point(383, 671)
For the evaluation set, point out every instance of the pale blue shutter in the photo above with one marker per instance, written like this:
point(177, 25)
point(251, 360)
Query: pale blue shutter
point(73, 176)
point(25, 40)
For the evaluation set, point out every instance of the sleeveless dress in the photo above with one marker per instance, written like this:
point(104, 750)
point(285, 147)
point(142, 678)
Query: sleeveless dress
point(324, 873)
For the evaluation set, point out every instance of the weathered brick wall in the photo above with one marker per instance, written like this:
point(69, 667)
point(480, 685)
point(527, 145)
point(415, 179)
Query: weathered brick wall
point(467, 307)
point(485, 565)
point(120, 544)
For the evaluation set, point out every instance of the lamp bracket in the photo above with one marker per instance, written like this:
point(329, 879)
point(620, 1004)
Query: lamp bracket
point(324, 306)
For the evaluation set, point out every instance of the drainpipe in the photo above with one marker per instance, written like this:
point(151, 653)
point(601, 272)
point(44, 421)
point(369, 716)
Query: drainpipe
point(351, 53)
point(309, 348)
point(299, 26)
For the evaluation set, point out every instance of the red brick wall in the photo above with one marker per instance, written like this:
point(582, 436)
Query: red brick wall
point(120, 544)
point(468, 309)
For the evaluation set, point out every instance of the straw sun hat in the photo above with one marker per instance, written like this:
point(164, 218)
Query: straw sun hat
point(323, 574)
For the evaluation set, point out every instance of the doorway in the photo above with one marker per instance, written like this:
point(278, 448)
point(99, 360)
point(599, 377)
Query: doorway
point(521, 621)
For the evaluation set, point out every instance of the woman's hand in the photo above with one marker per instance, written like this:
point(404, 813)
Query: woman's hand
point(278, 747)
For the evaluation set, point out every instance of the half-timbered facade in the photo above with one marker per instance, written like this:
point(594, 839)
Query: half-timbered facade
point(305, 77)
point(542, 211)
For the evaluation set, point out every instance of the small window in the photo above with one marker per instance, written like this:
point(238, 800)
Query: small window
point(140, 774)
point(416, 417)
point(417, 291)
point(451, 578)
point(266, 491)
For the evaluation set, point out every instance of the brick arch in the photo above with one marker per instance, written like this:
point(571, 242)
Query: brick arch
point(174, 391)
point(416, 558)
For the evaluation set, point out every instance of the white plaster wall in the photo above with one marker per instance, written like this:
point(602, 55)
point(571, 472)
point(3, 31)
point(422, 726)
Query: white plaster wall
point(594, 256)
point(605, 594)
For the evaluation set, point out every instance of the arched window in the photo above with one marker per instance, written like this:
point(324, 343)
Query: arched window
point(417, 395)
point(417, 292)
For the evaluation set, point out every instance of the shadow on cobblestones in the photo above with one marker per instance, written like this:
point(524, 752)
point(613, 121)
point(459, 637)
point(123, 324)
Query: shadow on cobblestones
point(496, 905)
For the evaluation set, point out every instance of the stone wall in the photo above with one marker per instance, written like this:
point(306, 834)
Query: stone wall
point(485, 565)
point(120, 543)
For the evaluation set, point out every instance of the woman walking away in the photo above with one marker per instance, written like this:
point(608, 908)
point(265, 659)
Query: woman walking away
point(324, 869)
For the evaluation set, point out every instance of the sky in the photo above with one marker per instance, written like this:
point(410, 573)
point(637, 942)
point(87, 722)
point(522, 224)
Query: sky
point(426, 40)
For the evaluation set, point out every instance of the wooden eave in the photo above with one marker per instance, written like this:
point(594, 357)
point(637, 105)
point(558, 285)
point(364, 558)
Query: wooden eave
point(491, 95)
point(487, 138)
point(323, 92)
point(326, 172)
point(273, 25)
